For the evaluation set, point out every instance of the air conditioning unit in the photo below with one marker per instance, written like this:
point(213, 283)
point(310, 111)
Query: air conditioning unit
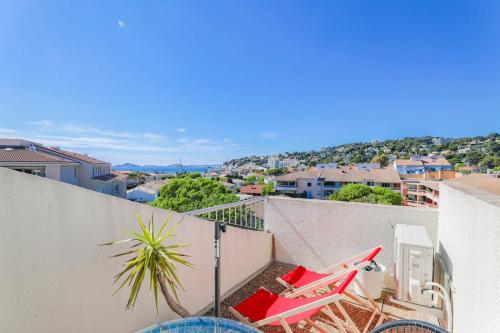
point(413, 263)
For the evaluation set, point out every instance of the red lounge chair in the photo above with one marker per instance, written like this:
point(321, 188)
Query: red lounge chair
point(267, 308)
point(301, 281)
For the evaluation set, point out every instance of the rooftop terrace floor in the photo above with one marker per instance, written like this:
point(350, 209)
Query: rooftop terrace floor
point(360, 316)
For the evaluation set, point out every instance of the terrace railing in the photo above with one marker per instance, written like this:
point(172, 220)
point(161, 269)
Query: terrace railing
point(247, 214)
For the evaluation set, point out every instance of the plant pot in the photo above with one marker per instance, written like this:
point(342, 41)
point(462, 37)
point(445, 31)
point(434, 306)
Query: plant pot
point(372, 281)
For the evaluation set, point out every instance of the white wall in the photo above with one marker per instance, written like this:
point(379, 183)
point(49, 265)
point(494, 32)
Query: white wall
point(140, 196)
point(53, 172)
point(469, 231)
point(318, 233)
point(54, 277)
point(68, 174)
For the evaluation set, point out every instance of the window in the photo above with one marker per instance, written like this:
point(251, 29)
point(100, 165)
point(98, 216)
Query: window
point(386, 185)
point(116, 188)
point(309, 184)
point(76, 172)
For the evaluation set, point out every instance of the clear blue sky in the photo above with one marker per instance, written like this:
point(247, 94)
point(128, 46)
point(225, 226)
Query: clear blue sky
point(155, 81)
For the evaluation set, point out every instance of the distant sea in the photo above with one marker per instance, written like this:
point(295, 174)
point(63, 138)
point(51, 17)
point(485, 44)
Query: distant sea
point(169, 169)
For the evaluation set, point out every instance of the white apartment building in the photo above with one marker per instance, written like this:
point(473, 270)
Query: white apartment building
point(68, 167)
point(274, 162)
point(319, 184)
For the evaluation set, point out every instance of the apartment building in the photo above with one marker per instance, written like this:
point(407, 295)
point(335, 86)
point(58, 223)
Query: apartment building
point(274, 162)
point(422, 164)
point(420, 193)
point(319, 184)
point(55, 163)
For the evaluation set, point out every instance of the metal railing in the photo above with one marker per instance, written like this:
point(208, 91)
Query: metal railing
point(408, 326)
point(247, 214)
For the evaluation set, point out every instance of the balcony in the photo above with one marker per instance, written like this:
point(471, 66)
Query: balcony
point(285, 187)
point(59, 280)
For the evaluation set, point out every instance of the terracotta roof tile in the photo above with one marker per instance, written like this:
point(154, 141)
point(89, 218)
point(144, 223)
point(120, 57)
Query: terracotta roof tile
point(111, 176)
point(346, 174)
point(74, 155)
point(27, 155)
point(252, 189)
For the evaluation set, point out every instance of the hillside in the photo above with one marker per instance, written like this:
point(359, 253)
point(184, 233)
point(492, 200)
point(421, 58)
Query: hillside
point(483, 151)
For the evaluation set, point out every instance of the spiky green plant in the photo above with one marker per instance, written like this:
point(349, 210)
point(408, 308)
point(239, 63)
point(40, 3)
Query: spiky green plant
point(151, 255)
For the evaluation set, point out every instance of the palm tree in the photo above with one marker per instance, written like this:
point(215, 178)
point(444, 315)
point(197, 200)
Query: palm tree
point(151, 255)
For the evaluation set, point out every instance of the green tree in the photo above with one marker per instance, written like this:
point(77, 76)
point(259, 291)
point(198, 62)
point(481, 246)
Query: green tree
point(250, 180)
point(489, 162)
point(365, 193)
point(151, 255)
point(276, 172)
point(382, 159)
point(458, 166)
point(268, 189)
point(192, 192)
point(473, 158)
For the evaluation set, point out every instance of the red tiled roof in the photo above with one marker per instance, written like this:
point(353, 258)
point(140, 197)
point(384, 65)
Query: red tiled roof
point(27, 155)
point(252, 189)
point(346, 174)
point(407, 162)
point(111, 176)
point(77, 156)
point(435, 161)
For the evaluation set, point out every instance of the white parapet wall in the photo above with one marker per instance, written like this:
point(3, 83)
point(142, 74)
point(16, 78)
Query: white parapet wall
point(55, 278)
point(318, 233)
point(469, 233)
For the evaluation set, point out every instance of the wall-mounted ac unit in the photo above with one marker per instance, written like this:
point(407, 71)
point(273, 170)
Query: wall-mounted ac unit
point(413, 263)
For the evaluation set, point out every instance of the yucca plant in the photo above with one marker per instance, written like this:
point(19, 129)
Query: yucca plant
point(151, 255)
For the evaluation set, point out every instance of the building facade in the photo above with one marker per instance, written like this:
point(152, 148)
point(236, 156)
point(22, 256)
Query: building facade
point(420, 193)
point(55, 163)
point(274, 162)
point(319, 184)
point(422, 164)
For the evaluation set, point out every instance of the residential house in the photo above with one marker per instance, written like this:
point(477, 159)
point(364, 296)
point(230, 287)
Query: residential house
point(422, 164)
point(238, 182)
point(24, 157)
point(146, 192)
point(254, 190)
point(55, 163)
point(321, 166)
point(319, 184)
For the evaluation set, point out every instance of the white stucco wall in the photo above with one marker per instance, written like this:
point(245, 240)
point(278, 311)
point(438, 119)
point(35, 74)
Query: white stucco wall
point(318, 233)
point(68, 174)
point(140, 196)
point(469, 231)
point(53, 172)
point(54, 277)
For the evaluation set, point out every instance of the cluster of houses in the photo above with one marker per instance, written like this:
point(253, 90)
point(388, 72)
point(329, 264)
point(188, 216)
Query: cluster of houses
point(65, 166)
point(417, 178)
point(77, 169)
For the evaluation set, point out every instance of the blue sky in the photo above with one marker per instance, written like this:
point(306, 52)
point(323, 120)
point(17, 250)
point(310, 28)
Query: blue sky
point(155, 81)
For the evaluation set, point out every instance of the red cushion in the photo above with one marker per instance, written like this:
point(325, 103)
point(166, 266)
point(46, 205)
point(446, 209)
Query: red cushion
point(264, 304)
point(301, 276)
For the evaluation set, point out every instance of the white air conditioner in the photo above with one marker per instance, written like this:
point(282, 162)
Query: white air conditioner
point(413, 263)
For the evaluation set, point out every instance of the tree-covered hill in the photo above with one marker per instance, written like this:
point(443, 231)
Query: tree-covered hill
point(482, 151)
